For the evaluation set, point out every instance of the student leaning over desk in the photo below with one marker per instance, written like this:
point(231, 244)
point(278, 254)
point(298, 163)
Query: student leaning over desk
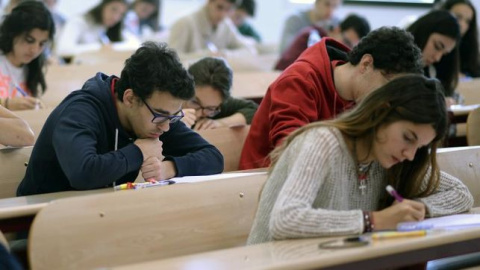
point(213, 106)
point(324, 81)
point(329, 178)
point(115, 127)
point(24, 35)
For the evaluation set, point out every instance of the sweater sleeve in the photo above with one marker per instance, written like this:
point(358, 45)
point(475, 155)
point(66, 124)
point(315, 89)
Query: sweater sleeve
point(293, 105)
point(191, 154)
point(293, 215)
point(237, 105)
point(451, 197)
point(75, 139)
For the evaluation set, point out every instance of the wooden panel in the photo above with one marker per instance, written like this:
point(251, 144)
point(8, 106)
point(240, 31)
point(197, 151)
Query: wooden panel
point(229, 141)
point(470, 90)
point(473, 127)
point(463, 163)
point(139, 225)
point(13, 168)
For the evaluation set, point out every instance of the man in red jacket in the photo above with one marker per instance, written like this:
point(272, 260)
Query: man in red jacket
point(324, 81)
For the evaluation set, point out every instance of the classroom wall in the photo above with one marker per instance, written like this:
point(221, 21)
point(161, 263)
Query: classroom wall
point(270, 13)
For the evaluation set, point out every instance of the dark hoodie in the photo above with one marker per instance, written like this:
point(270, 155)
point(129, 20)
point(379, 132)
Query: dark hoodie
point(75, 149)
point(304, 93)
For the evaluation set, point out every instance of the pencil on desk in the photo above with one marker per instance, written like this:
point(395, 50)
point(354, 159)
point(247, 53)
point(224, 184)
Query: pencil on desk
point(390, 235)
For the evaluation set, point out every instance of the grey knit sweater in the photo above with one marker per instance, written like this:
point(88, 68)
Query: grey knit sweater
point(313, 191)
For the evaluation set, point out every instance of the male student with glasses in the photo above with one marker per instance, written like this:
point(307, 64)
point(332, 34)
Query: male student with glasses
point(213, 106)
point(114, 128)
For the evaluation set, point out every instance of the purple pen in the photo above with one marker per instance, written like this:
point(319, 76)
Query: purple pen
point(394, 193)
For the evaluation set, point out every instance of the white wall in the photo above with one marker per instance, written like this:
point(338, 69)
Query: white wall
point(270, 13)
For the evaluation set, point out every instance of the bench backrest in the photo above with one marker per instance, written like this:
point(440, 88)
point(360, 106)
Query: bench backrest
point(13, 167)
point(473, 127)
point(229, 141)
point(139, 225)
point(470, 90)
point(463, 163)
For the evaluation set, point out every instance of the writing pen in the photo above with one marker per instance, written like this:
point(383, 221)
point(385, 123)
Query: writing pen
point(22, 92)
point(394, 193)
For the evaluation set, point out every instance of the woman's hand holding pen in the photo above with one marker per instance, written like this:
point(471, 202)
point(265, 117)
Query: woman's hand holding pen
point(407, 210)
point(23, 103)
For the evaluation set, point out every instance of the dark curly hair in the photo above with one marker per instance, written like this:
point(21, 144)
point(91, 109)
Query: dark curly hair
point(213, 72)
point(393, 50)
point(155, 67)
point(441, 22)
point(22, 20)
point(468, 49)
point(114, 33)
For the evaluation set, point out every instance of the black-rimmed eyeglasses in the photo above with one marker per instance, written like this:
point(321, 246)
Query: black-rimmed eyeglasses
point(208, 111)
point(159, 118)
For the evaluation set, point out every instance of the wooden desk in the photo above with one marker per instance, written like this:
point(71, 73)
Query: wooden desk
point(252, 85)
point(16, 214)
point(305, 254)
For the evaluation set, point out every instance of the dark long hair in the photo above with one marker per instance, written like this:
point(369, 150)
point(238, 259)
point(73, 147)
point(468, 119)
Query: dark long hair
point(114, 33)
point(441, 22)
point(24, 18)
point(469, 55)
point(412, 98)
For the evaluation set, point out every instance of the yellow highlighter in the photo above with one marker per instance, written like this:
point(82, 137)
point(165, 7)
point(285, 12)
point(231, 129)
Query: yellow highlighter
point(390, 235)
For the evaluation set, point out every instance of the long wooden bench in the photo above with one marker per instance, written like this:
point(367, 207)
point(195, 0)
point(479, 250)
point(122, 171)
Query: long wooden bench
point(134, 226)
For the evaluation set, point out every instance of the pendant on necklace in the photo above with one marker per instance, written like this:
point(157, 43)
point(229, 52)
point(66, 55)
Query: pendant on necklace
point(362, 186)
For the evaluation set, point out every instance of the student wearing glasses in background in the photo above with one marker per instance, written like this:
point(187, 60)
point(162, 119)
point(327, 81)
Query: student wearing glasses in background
point(212, 106)
point(114, 128)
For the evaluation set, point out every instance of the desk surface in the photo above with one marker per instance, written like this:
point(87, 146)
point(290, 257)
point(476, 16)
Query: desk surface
point(30, 205)
point(305, 254)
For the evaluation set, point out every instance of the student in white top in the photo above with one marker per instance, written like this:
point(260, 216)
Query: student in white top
point(24, 35)
point(209, 32)
point(98, 28)
point(329, 178)
point(143, 18)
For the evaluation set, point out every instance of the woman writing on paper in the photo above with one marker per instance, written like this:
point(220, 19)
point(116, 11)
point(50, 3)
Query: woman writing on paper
point(24, 35)
point(329, 178)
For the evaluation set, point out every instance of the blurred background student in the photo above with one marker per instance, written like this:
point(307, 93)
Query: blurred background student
point(213, 106)
point(466, 15)
point(143, 18)
point(437, 34)
point(24, 35)
point(349, 32)
point(240, 18)
point(98, 28)
point(321, 15)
